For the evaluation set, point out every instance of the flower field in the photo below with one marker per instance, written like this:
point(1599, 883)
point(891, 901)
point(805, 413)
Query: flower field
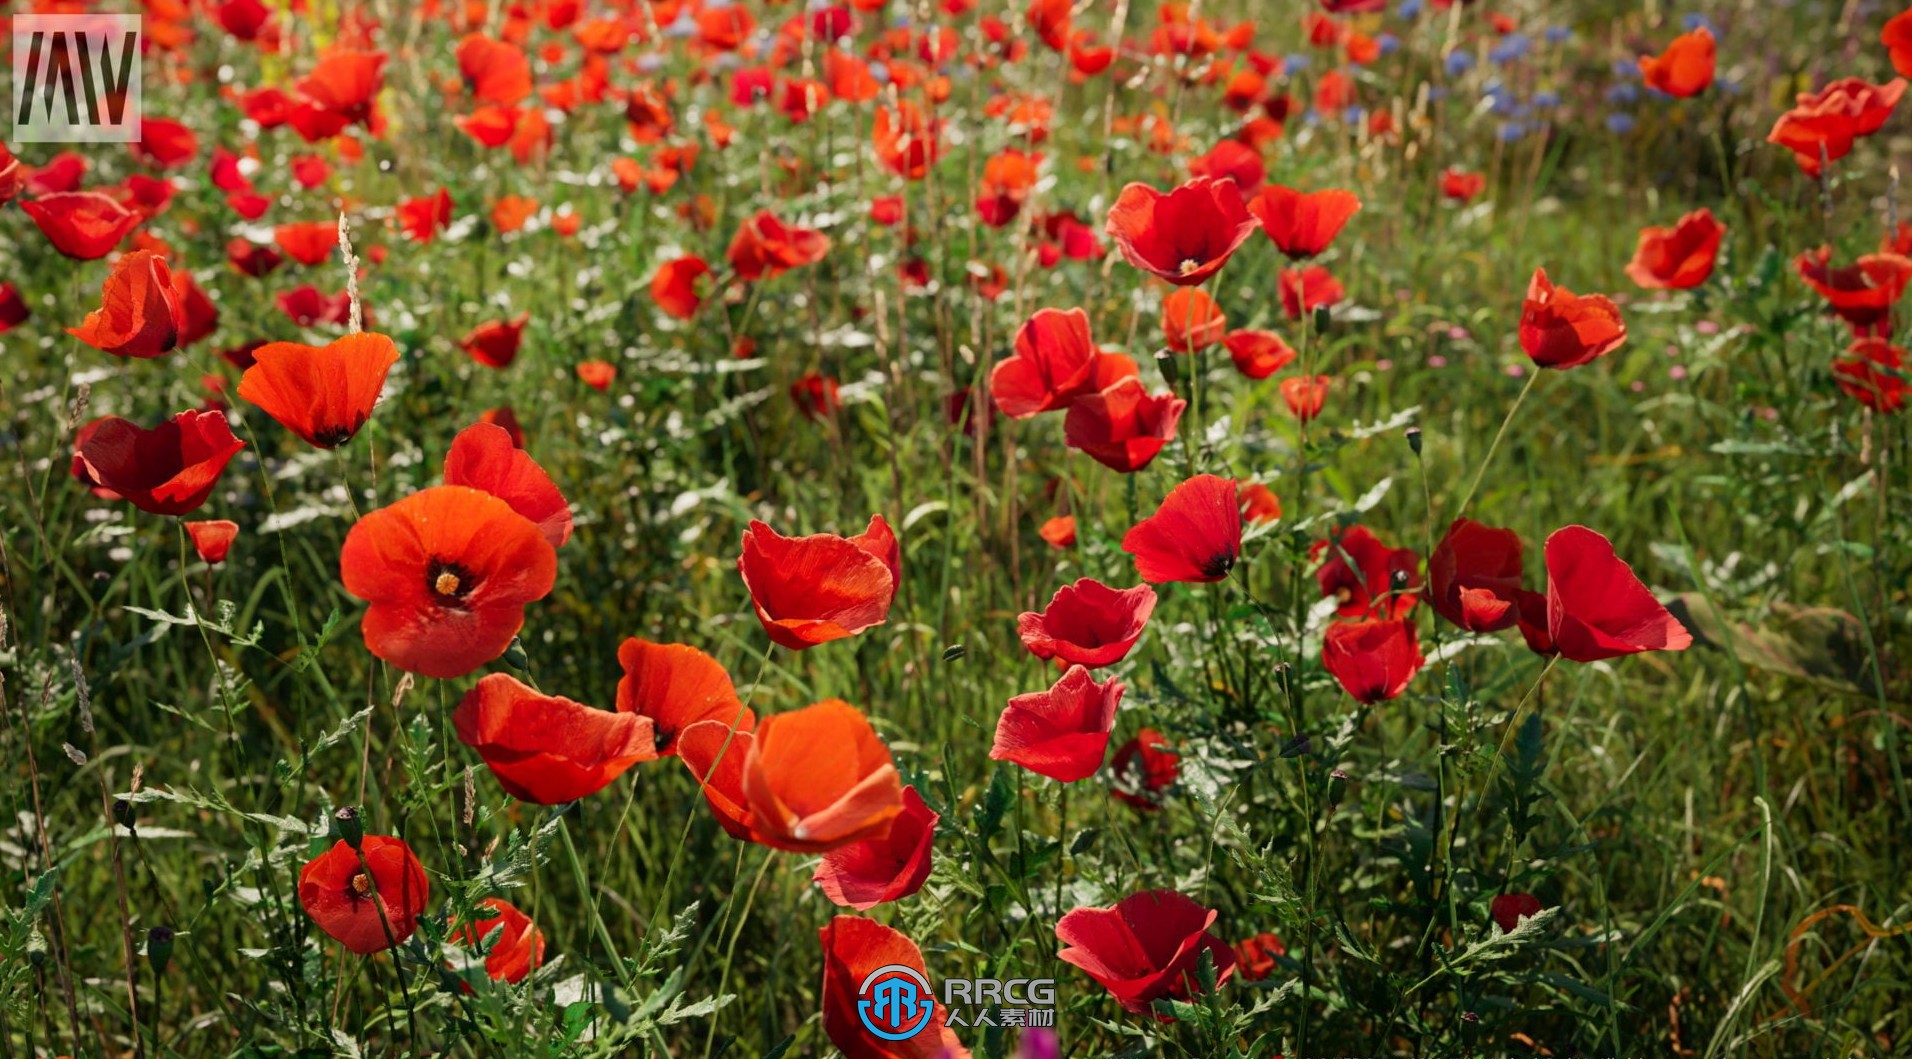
point(947, 528)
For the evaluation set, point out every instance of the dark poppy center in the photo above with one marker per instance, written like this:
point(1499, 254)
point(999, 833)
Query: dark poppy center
point(1218, 565)
point(449, 583)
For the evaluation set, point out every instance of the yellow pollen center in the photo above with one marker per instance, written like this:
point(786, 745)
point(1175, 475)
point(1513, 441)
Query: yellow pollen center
point(361, 883)
point(447, 584)
point(1190, 265)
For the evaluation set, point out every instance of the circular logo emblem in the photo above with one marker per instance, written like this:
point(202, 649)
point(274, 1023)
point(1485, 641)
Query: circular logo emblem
point(895, 1002)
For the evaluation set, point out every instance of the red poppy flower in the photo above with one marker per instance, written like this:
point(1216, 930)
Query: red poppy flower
point(675, 287)
point(1509, 909)
point(495, 344)
point(137, 316)
point(518, 948)
point(1896, 35)
point(13, 308)
point(198, 316)
point(1059, 532)
point(1124, 426)
point(1062, 733)
point(1304, 396)
point(1862, 293)
point(447, 572)
point(1255, 957)
point(1679, 257)
point(597, 374)
point(83, 225)
point(305, 306)
point(854, 949)
point(1459, 185)
point(1236, 161)
point(1474, 575)
point(816, 395)
point(811, 590)
point(212, 538)
point(906, 141)
point(1008, 177)
point(1144, 767)
point(1191, 322)
point(252, 259)
point(1307, 289)
point(1560, 329)
point(1302, 225)
point(1184, 236)
point(365, 912)
point(806, 781)
point(1258, 354)
point(1596, 607)
point(483, 457)
point(865, 874)
point(1054, 363)
point(1367, 578)
point(1146, 947)
point(676, 686)
point(345, 83)
point(1685, 68)
point(1088, 623)
point(547, 749)
point(165, 143)
point(1373, 660)
point(1873, 372)
point(323, 394)
point(1195, 535)
point(497, 71)
point(765, 246)
point(1823, 125)
point(307, 242)
point(168, 470)
point(421, 218)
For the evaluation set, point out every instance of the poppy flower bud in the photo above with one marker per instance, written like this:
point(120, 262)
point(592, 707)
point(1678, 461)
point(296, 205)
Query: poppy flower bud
point(1322, 318)
point(159, 948)
point(123, 814)
point(1171, 370)
point(1397, 581)
point(348, 826)
point(1414, 439)
point(515, 656)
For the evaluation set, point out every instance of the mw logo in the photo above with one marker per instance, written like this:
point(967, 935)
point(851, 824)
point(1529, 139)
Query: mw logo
point(76, 78)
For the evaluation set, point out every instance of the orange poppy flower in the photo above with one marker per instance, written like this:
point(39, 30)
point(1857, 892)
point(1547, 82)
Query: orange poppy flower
point(1258, 354)
point(345, 83)
point(497, 72)
point(510, 213)
point(323, 394)
point(674, 686)
point(519, 947)
point(484, 457)
point(906, 140)
point(597, 374)
point(1305, 397)
point(1302, 225)
point(1823, 126)
point(168, 470)
point(212, 538)
point(447, 572)
point(811, 590)
point(307, 242)
point(1685, 68)
point(806, 781)
point(1191, 321)
point(545, 748)
point(423, 217)
point(366, 913)
point(137, 316)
